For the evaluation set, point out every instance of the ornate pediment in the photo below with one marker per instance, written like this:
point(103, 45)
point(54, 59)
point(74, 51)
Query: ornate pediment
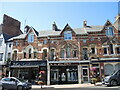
point(69, 44)
point(110, 41)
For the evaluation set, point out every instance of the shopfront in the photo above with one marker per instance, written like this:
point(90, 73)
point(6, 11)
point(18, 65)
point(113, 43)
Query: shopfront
point(28, 70)
point(63, 74)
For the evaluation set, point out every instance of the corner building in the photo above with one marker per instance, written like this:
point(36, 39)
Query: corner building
point(67, 55)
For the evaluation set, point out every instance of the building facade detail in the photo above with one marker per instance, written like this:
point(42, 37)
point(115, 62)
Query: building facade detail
point(69, 53)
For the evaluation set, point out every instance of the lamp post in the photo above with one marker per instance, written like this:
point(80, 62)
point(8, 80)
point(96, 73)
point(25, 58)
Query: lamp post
point(48, 66)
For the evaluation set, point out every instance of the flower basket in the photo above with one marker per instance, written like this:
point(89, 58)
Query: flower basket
point(94, 80)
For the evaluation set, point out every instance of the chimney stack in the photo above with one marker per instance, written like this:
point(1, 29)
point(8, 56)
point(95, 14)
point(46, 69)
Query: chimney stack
point(54, 27)
point(84, 23)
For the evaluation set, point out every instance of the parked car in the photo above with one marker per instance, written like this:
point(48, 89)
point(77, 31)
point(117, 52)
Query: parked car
point(15, 84)
point(113, 79)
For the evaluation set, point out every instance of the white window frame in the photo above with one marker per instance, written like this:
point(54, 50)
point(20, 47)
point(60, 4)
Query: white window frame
point(30, 37)
point(108, 33)
point(67, 35)
point(107, 51)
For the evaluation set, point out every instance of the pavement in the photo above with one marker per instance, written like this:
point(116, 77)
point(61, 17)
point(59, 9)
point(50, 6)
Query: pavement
point(99, 84)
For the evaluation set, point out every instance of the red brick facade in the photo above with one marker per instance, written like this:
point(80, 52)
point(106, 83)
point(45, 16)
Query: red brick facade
point(11, 26)
point(90, 43)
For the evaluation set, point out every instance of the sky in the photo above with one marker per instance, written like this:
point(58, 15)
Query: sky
point(41, 15)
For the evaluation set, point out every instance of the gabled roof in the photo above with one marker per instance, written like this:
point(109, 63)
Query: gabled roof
point(80, 31)
point(36, 32)
point(6, 37)
point(22, 36)
point(46, 33)
point(94, 28)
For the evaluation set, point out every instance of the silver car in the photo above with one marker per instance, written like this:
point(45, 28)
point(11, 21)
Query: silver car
point(15, 84)
point(113, 79)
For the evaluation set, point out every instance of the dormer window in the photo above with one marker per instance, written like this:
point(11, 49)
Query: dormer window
point(30, 37)
point(109, 31)
point(67, 35)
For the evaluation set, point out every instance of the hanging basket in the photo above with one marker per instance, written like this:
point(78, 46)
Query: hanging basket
point(93, 69)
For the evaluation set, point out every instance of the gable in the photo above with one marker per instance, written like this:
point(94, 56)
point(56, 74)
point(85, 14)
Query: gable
point(67, 28)
point(31, 31)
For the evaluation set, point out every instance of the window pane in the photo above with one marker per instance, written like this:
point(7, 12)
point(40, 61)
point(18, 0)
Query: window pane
point(24, 55)
point(62, 54)
point(35, 54)
point(93, 50)
point(109, 32)
point(118, 50)
point(85, 56)
point(111, 49)
point(74, 53)
point(29, 53)
point(45, 42)
point(67, 35)
point(105, 50)
point(31, 38)
point(68, 52)
point(84, 40)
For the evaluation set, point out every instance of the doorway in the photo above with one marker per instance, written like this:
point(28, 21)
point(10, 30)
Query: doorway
point(85, 74)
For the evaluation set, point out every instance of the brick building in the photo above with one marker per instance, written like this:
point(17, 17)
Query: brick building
point(67, 55)
point(8, 29)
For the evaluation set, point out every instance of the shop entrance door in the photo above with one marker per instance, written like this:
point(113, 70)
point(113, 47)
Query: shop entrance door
point(85, 75)
point(62, 75)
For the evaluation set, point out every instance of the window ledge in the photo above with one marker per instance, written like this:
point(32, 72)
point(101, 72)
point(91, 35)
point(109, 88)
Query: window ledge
point(106, 55)
point(112, 54)
point(68, 58)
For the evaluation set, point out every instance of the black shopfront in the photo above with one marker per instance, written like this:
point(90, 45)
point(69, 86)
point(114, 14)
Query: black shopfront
point(28, 70)
point(63, 74)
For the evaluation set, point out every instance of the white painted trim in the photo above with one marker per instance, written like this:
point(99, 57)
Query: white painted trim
point(69, 61)
point(29, 59)
point(105, 46)
point(109, 58)
point(44, 48)
point(14, 50)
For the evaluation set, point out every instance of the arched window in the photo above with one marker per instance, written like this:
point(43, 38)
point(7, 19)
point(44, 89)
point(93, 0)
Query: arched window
point(14, 57)
point(24, 55)
point(44, 54)
point(30, 53)
point(68, 52)
point(62, 54)
point(111, 49)
point(35, 54)
point(74, 53)
point(52, 54)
